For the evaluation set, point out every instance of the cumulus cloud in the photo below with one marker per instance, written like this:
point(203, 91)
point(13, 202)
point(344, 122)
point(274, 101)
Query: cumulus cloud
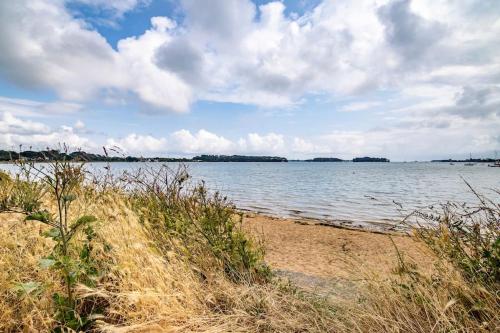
point(136, 57)
point(307, 148)
point(480, 102)
point(200, 142)
point(422, 143)
point(181, 142)
point(407, 138)
point(235, 51)
point(10, 124)
point(134, 143)
point(182, 58)
point(44, 46)
point(409, 34)
point(267, 143)
point(411, 139)
point(15, 131)
point(184, 142)
point(224, 21)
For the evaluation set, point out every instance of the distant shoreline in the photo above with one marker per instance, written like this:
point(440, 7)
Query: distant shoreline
point(472, 160)
point(47, 156)
point(81, 156)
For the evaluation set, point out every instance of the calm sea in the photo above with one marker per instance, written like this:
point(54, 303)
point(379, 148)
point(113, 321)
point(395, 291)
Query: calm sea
point(357, 194)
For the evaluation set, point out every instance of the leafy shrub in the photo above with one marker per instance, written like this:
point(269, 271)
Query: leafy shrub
point(189, 220)
point(466, 236)
point(461, 294)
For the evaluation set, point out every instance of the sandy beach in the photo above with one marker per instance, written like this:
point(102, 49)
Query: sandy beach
point(318, 256)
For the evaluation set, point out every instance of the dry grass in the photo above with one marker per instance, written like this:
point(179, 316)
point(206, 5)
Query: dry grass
point(412, 302)
point(149, 286)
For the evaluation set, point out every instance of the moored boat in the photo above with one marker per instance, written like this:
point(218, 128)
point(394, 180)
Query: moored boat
point(495, 164)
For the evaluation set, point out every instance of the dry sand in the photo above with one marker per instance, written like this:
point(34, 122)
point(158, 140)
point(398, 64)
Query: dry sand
point(317, 256)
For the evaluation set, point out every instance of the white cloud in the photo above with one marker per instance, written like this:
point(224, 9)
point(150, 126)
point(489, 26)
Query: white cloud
point(15, 131)
point(136, 57)
point(64, 135)
point(304, 147)
point(404, 138)
point(79, 125)
point(233, 51)
point(359, 106)
point(201, 142)
point(26, 107)
point(257, 143)
point(409, 139)
point(10, 124)
point(134, 143)
point(183, 142)
point(421, 143)
point(44, 46)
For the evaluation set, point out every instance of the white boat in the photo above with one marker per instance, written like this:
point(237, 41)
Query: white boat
point(495, 164)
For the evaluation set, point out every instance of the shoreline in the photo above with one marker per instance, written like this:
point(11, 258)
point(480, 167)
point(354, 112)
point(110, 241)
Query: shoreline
point(377, 227)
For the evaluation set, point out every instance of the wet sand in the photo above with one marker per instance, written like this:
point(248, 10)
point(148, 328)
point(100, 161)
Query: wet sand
point(308, 251)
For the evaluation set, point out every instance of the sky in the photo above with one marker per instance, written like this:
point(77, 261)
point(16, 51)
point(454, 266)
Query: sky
point(403, 79)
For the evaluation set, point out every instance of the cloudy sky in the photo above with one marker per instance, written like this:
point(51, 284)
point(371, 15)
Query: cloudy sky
point(408, 80)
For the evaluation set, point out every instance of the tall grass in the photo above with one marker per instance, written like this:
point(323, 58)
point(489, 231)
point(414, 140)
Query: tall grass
point(468, 237)
point(461, 294)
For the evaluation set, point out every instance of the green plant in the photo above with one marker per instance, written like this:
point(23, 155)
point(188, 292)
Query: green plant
point(466, 236)
point(203, 226)
point(462, 292)
point(73, 260)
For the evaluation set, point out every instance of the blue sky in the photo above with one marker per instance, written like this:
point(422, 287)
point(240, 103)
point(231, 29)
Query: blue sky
point(408, 80)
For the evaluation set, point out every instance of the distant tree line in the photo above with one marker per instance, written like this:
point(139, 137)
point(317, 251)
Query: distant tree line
point(238, 158)
point(53, 155)
point(474, 160)
point(370, 159)
point(335, 159)
point(56, 155)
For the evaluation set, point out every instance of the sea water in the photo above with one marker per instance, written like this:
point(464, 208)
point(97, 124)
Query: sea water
point(354, 194)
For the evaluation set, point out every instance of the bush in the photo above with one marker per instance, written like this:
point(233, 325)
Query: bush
point(190, 221)
point(466, 236)
point(461, 294)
